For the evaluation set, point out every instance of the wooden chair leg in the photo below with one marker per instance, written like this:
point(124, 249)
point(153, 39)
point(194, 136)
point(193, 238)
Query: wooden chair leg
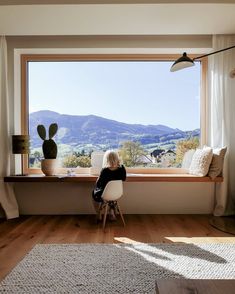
point(115, 208)
point(100, 211)
point(105, 214)
point(121, 214)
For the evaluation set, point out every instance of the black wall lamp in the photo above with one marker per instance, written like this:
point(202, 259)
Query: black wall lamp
point(20, 145)
point(184, 61)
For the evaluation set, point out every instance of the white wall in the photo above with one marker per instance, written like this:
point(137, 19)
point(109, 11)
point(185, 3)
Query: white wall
point(139, 198)
point(118, 19)
point(72, 198)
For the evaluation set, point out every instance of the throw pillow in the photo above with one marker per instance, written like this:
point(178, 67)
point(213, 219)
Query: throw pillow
point(217, 162)
point(201, 162)
point(187, 159)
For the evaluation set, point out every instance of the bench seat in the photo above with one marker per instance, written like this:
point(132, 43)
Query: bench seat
point(130, 178)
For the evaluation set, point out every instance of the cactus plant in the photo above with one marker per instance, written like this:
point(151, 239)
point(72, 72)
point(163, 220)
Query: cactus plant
point(49, 146)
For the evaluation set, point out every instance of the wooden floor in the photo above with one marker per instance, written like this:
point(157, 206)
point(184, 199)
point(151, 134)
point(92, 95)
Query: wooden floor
point(18, 236)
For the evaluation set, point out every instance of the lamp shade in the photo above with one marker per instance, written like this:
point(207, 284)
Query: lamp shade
point(183, 62)
point(20, 144)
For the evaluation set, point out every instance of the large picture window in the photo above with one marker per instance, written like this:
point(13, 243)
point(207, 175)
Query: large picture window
point(138, 107)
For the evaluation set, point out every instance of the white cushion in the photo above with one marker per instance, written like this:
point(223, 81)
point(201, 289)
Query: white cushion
point(201, 162)
point(96, 162)
point(187, 159)
point(217, 162)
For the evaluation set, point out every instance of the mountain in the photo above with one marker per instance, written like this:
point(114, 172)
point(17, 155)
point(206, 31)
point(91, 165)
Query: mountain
point(91, 129)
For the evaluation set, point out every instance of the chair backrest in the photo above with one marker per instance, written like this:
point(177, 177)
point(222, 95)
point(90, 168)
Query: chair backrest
point(113, 190)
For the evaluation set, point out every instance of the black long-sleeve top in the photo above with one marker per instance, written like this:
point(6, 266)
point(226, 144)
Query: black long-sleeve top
point(107, 175)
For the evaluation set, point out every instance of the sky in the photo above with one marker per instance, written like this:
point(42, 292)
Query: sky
point(131, 92)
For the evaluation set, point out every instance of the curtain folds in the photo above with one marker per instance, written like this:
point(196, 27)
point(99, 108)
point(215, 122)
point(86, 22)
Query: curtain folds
point(7, 197)
point(221, 118)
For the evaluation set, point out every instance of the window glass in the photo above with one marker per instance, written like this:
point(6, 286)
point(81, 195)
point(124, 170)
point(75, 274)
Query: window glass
point(140, 108)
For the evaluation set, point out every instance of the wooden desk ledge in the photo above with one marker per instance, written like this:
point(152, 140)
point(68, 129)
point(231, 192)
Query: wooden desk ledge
point(130, 178)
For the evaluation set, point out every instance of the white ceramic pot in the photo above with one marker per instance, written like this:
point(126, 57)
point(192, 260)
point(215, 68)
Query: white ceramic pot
point(49, 166)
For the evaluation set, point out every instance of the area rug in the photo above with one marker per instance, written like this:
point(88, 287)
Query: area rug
point(116, 268)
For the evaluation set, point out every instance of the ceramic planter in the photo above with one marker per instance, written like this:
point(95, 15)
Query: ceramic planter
point(49, 166)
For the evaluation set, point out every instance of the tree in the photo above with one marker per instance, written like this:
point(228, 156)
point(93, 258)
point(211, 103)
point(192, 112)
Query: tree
point(70, 161)
point(183, 146)
point(37, 155)
point(131, 152)
point(84, 161)
point(76, 161)
point(35, 159)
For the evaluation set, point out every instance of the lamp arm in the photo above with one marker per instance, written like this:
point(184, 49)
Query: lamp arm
point(198, 57)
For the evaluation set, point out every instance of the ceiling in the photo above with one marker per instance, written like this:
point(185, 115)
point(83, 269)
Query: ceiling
point(163, 18)
point(33, 2)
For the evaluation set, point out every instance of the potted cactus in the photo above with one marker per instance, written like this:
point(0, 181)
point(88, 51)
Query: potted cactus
point(49, 148)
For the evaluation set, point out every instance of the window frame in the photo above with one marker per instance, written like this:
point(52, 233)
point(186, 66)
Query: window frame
point(25, 58)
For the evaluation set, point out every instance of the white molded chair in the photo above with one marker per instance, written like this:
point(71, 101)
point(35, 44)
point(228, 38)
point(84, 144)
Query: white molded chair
point(112, 192)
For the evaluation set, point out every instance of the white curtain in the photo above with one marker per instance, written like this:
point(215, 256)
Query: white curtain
point(221, 118)
point(7, 197)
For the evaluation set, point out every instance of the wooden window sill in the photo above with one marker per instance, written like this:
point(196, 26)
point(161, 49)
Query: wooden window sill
point(130, 178)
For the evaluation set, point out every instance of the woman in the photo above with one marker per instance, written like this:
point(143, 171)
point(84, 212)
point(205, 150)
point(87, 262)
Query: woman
point(112, 170)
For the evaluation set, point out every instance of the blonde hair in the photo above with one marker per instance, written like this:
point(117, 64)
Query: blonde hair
point(111, 159)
